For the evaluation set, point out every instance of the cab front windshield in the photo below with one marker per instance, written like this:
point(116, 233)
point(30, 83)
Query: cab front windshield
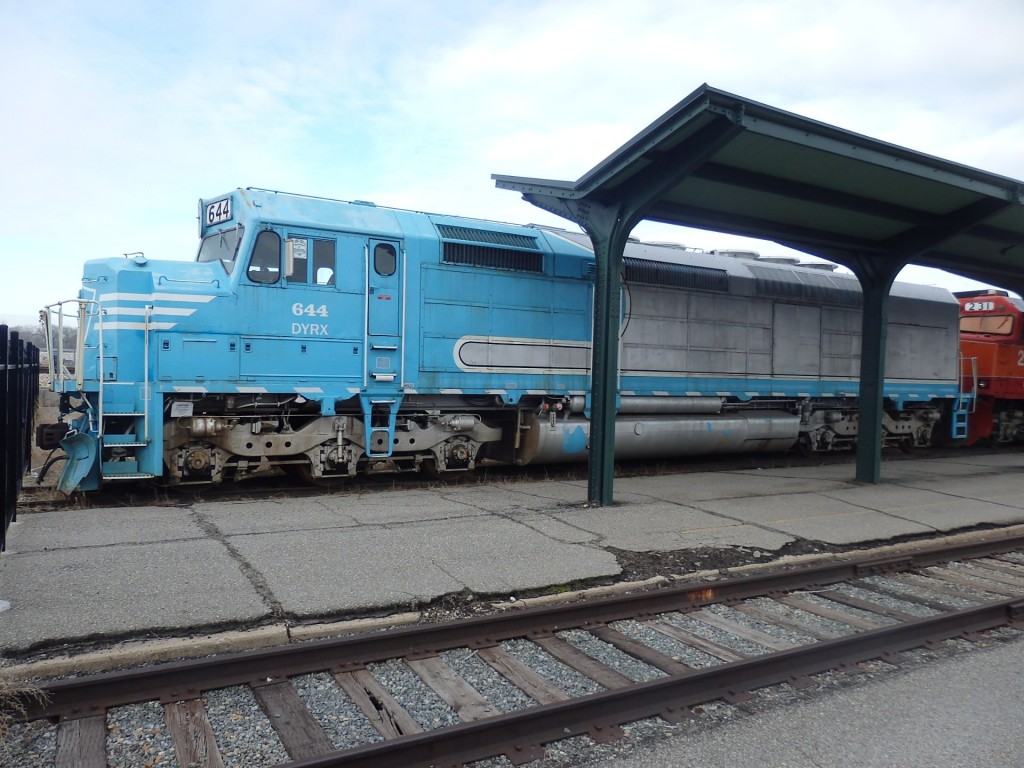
point(997, 325)
point(221, 246)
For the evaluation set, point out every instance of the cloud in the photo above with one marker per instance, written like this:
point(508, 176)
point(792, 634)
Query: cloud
point(123, 113)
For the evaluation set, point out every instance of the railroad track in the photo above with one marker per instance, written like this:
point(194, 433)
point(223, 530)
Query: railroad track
point(454, 693)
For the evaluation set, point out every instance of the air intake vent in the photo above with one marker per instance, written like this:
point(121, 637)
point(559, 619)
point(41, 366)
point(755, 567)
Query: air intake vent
point(487, 248)
point(495, 258)
point(507, 239)
point(804, 286)
point(676, 275)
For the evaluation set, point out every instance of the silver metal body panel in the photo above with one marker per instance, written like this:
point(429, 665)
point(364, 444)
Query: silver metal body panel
point(662, 436)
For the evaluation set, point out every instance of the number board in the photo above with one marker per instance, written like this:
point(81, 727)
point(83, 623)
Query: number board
point(218, 211)
point(979, 306)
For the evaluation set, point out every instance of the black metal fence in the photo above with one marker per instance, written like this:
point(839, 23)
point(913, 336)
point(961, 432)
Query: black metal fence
point(19, 392)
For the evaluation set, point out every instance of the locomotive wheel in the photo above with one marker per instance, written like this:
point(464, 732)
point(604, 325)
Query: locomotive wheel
point(305, 473)
point(429, 468)
point(803, 445)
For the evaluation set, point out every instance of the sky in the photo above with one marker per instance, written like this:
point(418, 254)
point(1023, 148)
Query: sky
point(116, 116)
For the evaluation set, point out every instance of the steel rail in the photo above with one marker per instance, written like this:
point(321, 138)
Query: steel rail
point(522, 733)
point(78, 697)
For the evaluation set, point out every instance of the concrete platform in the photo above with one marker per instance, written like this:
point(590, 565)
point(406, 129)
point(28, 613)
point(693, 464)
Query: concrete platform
point(76, 576)
point(962, 710)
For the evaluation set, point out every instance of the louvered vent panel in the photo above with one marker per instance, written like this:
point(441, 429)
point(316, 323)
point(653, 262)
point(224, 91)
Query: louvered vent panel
point(508, 239)
point(676, 275)
point(802, 286)
point(495, 258)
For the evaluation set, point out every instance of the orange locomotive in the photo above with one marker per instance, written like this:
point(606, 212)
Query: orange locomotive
point(992, 354)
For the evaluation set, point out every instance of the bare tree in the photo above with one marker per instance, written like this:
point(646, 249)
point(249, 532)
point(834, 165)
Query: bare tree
point(36, 334)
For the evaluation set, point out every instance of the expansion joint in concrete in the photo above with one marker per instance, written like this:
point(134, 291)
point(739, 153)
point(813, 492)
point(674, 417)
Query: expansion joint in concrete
point(255, 578)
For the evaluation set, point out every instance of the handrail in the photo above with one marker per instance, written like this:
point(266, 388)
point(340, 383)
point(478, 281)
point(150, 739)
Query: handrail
point(59, 372)
point(973, 361)
point(145, 372)
point(100, 371)
point(215, 282)
point(974, 383)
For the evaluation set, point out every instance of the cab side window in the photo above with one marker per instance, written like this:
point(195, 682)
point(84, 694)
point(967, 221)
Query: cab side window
point(385, 259)
point(265, 264)
point(296, 259)
point(324, 265)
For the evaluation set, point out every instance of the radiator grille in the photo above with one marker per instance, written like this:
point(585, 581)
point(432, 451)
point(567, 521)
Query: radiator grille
point(494, 258)
point(806, 286)
point(508, 239)
point(675, 275)
point(490, 248)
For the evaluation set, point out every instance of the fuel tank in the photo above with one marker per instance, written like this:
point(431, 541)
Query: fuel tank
point(644, 437)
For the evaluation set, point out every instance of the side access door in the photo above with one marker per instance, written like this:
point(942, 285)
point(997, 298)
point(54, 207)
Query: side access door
point(382, 396)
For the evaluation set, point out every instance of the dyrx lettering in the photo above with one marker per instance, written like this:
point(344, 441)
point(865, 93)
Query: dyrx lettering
point(309, 329)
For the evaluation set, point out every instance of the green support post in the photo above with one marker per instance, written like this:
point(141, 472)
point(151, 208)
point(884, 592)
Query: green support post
point(876, 278)
point(608, 227)
point(609, 238)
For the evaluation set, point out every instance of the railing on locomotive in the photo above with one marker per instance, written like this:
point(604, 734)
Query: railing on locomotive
point(60, 374)
point(969, 378)
point(56, 354)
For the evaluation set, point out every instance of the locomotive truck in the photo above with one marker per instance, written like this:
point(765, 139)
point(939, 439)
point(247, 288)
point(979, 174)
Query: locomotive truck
point(328, 338)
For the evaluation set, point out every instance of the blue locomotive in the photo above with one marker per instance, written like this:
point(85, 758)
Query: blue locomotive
point(328, 338)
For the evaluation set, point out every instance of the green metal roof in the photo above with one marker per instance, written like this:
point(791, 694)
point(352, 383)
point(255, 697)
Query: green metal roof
point(721, 162)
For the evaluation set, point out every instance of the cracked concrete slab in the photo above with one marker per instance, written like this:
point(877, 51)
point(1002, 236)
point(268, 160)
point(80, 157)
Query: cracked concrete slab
point(558, 529)
point(934, 468)
point(374, 567)
point(659, 526)
point(699, 486)
point(731, 537)
point(548, 493)
point(120, 590)
point(75, 574)
point(504, 498)
point(1006, 489)
point(970, 513)
point(275, 515)
point(816, 517)
point(770, 510)
point(987, 461)
point(937, 510)
point(851, 528)
point(395, 507)
point(71, 528)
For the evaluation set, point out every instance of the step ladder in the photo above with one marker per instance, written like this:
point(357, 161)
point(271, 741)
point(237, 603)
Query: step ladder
point(117, 431)
point(379, 417)
point(963, 407)
point(967, 399)
point(119, 450)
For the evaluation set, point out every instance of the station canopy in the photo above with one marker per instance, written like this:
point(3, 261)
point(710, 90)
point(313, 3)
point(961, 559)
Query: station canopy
point(721, 162)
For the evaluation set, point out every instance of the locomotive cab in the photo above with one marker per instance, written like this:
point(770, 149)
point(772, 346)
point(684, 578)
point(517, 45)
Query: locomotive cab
point(992, 348)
